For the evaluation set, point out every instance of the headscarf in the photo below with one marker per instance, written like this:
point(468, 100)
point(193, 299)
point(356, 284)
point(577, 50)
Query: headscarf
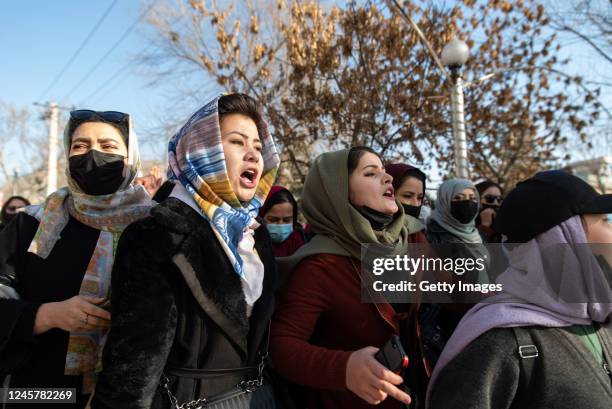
point(197, 161)
point(399, 170)
point(110, 214)
point(442, 211)
point(529, 299)
point(339, 228)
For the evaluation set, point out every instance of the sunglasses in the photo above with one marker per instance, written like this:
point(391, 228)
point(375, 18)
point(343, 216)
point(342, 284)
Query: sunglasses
point(493, 199)
point(110, 116)
point(13, 208)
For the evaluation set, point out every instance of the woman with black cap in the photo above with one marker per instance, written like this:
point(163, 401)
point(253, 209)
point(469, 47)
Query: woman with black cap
point(56, 259)
point(546, 340)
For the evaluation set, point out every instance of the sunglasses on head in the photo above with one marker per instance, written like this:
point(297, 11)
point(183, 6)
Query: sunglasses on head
point(493, 199)
point(110, 116)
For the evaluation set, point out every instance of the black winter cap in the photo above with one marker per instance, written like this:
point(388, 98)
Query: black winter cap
point(544, 201)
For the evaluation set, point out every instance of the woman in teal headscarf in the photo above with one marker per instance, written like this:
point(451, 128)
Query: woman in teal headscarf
point(323, 336)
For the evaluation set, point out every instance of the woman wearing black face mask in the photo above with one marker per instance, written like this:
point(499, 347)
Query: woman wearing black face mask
point(452, 232)
point(10, 208)
point(56, 260)
point(491, 197)
point(409, 184)
point(453, 219)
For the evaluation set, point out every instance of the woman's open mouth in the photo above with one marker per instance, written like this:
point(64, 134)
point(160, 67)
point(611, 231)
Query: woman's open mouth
point(248, 178)
point(389, 194)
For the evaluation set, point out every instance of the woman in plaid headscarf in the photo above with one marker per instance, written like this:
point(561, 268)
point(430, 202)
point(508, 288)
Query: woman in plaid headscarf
point(194, 282)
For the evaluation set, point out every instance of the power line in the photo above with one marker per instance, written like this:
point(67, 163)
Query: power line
point(125, 76)
point(110, 50)
point(115, 75)
point(109, 80)
point(78, 51)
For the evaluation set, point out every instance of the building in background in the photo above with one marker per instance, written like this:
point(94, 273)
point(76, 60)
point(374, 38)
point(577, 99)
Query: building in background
point(597, 172)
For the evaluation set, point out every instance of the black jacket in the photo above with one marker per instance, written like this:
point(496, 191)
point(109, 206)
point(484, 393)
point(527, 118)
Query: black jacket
point(39, 360)
point(178, 303)
point(565, 375)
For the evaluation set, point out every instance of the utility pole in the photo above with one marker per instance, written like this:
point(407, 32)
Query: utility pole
point(51, 114)
point(52, 160)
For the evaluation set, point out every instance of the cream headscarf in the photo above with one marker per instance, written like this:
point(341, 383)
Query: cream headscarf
point(110, 214)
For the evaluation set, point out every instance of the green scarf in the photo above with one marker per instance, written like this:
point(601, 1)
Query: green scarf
point(340, 229)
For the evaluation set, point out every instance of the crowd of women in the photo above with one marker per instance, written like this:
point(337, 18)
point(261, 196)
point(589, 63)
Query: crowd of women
point(220, 293)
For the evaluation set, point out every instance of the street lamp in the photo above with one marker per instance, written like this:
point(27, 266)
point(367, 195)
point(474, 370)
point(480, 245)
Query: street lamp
point(454, 55)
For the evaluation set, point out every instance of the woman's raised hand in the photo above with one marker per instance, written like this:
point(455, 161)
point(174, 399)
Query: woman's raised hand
point(79, 313)
point(370, 380)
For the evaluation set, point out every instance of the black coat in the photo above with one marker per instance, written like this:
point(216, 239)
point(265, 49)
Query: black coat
point(178, 303)
point(36, 361)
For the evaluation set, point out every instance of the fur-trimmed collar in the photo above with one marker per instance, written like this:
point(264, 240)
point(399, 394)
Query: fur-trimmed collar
point(210, 276)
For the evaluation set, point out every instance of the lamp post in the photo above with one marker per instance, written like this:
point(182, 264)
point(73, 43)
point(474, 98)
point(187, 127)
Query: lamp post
point(454, 55)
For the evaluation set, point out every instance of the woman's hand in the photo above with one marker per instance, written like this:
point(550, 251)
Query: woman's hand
point(486, 217)
point(79, 313)
point(371, 381)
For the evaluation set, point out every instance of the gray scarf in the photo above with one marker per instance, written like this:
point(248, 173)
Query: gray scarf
point(442, 212)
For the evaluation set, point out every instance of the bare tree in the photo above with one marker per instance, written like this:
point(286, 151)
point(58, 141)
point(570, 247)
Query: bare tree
point(14, 126)
point(357, 74)
point(589, 21)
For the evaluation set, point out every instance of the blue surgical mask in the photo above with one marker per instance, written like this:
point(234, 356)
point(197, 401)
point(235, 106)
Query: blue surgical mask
point(279, 232)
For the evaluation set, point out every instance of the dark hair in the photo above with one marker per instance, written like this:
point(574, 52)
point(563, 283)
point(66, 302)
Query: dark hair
point(9, 200)
point(413, 173)
point(241, 104)
point(484, 185)
point(283, 196)
point(355, 155)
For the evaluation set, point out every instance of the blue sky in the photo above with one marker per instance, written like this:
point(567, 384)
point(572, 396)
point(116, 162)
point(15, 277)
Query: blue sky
point(38, 37)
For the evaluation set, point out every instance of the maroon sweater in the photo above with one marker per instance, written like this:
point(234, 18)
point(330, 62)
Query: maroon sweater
point(320, 321)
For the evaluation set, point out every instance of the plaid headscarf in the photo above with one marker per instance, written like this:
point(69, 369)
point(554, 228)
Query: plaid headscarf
point(110, 214)
point(196, 160)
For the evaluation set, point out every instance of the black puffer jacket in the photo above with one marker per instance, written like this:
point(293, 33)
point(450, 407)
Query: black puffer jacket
point(177, 303)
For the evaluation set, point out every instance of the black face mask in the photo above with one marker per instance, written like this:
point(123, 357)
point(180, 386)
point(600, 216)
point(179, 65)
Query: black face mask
point(464, 210)
point(97, 173)
point(8, 217)
point(413, 211)
point(378, 221)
